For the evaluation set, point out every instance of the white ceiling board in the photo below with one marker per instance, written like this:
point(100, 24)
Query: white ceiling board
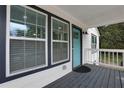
point(95, 15)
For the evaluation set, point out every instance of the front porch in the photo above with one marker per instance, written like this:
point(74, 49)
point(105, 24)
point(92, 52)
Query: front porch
point(97, 77)
point(64, 44)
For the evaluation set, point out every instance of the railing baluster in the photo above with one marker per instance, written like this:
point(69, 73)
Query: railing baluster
point(113, 58)
point(91, 56)
point(85, 56)
point(100, 56)
point(88, 58)
point(123, 59)
point(97, 57)
point(109, 57)
point(117, 58)
point(104, 57)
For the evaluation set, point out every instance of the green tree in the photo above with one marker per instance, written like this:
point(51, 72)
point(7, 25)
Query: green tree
point(112, 36)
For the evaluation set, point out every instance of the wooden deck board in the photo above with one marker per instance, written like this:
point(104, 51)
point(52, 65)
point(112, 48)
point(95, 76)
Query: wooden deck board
point(122, 78)
point(117, 79)
point(95, 78)
point(90, 77)
point(67, 79)
point(111, 82)
point(60, 79)
point(105, 79)
point(98, 77)
point(81, 82)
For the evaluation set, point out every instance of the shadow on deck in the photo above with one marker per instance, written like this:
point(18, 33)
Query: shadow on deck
point(95, 77)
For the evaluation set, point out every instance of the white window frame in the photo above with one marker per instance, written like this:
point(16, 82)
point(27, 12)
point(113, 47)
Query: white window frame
point(61, 61)
point(8, 38)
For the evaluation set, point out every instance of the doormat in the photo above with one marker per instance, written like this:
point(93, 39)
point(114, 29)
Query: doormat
point(83, 69)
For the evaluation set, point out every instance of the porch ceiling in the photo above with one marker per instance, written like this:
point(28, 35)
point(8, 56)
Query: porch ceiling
point(95, 15)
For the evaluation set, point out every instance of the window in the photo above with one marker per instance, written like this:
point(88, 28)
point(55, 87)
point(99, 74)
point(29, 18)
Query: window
point(60, 41)
point(93, 41)
point(27, 39)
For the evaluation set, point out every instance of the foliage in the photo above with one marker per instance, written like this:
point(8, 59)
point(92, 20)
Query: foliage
point(112, 36)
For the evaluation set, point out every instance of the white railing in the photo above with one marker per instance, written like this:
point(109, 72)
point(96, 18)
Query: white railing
point(106, 57)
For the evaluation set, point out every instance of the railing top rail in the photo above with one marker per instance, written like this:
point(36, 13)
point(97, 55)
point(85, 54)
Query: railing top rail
point(112, 50)
point(105, 57)
point(107, 50)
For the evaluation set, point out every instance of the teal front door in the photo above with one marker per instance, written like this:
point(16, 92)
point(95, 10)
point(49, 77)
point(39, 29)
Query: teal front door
point(76, 47)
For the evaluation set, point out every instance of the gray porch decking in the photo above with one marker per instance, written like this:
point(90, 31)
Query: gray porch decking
point(98, 77)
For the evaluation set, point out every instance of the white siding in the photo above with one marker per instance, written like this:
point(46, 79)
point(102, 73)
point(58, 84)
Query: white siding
point(87, 40)
point(39, 79)
point(45, 77)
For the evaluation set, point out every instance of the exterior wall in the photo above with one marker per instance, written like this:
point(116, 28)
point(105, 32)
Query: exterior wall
point(87, 43)
point(41, 78)
point(2, 40)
